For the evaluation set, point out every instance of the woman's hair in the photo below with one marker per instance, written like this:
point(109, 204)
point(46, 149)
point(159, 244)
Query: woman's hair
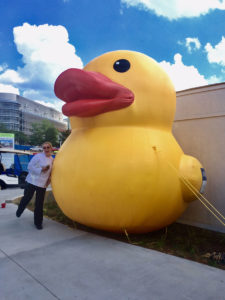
point(50, 144)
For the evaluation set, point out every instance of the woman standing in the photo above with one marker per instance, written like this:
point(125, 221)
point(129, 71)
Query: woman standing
point(38, 178)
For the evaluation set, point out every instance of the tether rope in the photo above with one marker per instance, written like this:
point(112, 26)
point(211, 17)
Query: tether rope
point(199, 196)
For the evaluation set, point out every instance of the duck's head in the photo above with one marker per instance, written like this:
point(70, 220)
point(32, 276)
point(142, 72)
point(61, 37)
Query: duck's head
point(118, 88)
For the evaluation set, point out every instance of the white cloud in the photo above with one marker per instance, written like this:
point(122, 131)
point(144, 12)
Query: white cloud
point(36, 94)
point(6, 88)
point(3, 67)
point(45, 49)
point(175, 9)
point(46, 52)
point(214, 79)
point(44, 97)
point(192, 44)
point(183, 77)
point(11, 76)
point(216, 54)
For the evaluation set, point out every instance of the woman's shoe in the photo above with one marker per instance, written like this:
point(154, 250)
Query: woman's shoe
point(18, 214)
point(39, 227)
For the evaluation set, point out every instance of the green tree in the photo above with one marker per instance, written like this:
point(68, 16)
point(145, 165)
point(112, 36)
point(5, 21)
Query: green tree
point(21, 138)
point(3, 128)
point(52, 135)
point(42, 132)
point(64, 135)
point(36, 137)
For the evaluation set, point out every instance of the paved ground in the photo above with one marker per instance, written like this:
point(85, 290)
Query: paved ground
point(60, 263)
point(10, 194)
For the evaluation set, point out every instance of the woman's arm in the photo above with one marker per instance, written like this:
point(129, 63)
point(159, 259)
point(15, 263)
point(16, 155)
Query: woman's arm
point(49, 178)
point(48, 182)
point(34, 166)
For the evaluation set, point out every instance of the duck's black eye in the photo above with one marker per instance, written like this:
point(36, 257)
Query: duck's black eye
point(121, 65)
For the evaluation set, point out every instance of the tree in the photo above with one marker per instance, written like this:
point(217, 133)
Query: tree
point(36, 137)
point(21, 138)
point(42, 132)
point(64, 135)
point(52, 135)
point(3, 128)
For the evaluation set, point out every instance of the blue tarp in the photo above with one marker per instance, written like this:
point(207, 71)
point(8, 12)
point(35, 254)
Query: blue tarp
point(22, 147)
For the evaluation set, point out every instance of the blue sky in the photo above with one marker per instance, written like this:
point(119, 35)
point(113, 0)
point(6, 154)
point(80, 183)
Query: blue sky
point(41, 38)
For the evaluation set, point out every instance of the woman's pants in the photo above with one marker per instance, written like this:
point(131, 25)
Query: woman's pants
point(29, 191)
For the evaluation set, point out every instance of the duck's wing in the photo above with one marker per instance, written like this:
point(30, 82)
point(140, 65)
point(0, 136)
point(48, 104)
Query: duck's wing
point(192, 177)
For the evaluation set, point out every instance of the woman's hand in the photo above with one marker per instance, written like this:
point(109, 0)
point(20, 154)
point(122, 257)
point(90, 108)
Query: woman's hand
point(45, 169)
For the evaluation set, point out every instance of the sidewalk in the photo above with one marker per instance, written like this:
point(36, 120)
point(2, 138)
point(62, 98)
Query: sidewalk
point(8, 195)
point(60, 263)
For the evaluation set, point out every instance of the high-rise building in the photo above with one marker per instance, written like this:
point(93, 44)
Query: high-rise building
point(18, 113)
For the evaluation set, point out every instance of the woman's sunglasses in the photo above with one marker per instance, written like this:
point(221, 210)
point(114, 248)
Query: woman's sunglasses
point(47, 147)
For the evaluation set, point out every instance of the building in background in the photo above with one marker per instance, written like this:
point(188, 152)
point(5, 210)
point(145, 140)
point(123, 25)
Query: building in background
point(199, 128)
point(18, 113)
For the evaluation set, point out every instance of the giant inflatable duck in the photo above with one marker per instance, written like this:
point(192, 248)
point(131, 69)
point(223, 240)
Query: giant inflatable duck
point(121, 169)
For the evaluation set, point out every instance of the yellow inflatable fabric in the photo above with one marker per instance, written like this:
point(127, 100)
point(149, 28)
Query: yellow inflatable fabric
point(121, 169)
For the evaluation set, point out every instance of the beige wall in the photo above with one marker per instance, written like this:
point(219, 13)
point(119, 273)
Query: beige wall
point(199, 128)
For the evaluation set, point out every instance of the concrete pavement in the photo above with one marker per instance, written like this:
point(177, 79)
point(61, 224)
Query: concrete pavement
point(60, 263)
point(8, 195)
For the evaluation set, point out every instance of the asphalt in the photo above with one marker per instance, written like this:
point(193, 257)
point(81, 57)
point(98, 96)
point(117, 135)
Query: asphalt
point(62, 263)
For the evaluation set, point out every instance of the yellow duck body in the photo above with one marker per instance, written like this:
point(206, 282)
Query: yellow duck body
point(121, 170)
